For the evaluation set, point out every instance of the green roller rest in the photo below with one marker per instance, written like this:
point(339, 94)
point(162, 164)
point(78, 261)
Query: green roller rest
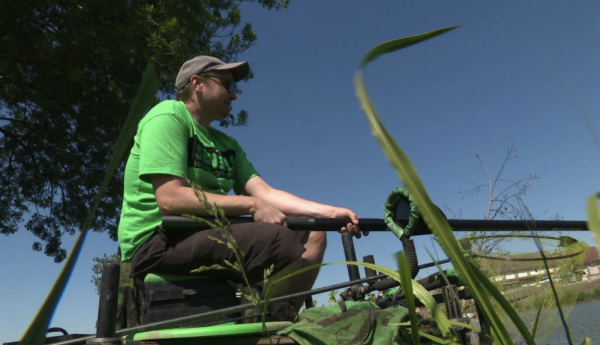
point(172, 296)
point(214, 332)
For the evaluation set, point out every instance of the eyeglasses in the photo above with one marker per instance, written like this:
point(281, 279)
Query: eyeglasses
point(227, 84)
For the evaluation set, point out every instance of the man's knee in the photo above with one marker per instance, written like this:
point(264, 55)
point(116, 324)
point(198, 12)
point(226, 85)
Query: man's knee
point(317, 240)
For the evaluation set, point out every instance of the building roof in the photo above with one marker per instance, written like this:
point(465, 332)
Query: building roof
point(591, 256)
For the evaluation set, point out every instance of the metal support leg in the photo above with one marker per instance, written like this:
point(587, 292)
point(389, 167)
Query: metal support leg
point(350, 254)
point(453, 308)
point(107, 310)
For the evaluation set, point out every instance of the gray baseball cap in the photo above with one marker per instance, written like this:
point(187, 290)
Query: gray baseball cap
point(202, 64)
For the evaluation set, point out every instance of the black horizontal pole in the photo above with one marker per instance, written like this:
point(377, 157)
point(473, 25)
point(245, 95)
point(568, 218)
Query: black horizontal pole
point(378, 224)
point(509, 225)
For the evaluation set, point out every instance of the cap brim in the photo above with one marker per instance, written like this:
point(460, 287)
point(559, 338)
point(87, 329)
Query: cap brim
point(239, 70)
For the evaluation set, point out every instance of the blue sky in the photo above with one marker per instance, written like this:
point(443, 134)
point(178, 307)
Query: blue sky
point(521, 71)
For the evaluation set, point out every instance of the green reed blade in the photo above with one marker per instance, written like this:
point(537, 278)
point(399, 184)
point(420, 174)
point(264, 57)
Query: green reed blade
point(536, 321)
point(36, 332)
point(408, 175)
point(442, 274)
point(411, 288)
point(434, 339)
point(464, 325)
point(406, 281)
point(594, 217)
point(400, 43)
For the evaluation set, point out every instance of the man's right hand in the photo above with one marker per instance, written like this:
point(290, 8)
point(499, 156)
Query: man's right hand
point(267, 213)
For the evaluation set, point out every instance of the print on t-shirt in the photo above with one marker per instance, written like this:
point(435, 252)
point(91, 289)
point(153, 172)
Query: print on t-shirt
point(209, 159)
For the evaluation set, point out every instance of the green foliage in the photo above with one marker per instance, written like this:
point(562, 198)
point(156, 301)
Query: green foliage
point(589, 294)
point(69, 71)
point(594, 217)
point(332, 297)
point(97, 268)
point(405, 279)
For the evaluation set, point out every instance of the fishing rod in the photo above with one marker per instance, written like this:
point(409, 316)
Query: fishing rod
point(405, 217)
point(379, 224)
point(402, 217)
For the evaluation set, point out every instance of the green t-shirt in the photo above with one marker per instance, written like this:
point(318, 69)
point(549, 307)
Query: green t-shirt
point(169, 141)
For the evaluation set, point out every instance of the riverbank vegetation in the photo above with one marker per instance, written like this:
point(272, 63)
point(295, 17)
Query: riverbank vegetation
point(590, 291)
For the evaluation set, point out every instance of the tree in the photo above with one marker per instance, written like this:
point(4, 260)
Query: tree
point(503, 201)
point(69, 71)
point(502, 197)
point(97, 269)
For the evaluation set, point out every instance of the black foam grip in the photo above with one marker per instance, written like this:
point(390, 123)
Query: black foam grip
point(300, 223)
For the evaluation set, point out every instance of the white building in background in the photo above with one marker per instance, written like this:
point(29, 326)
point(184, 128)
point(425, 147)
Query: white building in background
point(591, 263)
point(516, 273)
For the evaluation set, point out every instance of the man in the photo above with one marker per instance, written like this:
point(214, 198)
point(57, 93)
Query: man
point(176, 143)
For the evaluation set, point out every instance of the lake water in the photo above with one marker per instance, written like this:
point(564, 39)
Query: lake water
point(582, 320)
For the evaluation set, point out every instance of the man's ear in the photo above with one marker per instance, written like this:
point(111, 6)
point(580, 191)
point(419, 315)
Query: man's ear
point(196, 81)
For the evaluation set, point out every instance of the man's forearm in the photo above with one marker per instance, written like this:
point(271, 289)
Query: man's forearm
point(291, 204)
point(174, 197)
point(189, 203)
point(288, 204)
